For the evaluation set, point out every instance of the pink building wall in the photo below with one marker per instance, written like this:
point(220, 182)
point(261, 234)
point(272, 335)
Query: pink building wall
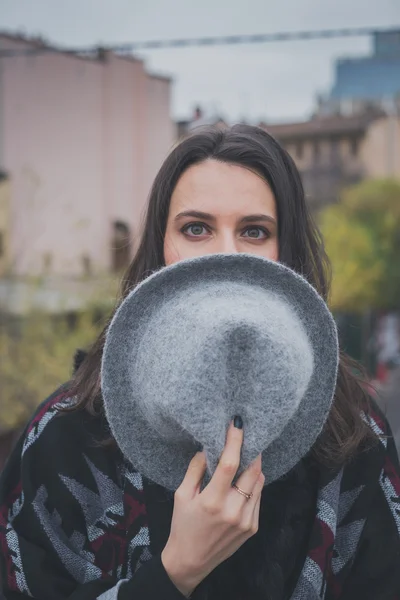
point(159, 139)
point(82, 140)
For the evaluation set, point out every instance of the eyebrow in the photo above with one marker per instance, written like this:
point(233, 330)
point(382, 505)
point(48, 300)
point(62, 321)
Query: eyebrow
point(259, 218)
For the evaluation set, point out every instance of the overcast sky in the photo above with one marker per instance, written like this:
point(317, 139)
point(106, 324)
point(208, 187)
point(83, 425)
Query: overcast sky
point(276, 81)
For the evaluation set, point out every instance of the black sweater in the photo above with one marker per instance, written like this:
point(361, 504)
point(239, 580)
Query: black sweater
point(77, 522)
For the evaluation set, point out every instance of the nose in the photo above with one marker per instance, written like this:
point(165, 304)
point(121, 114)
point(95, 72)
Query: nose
point(227, 244)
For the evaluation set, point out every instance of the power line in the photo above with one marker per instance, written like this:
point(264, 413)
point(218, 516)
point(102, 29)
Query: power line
point(229, 40)
point(259, 38)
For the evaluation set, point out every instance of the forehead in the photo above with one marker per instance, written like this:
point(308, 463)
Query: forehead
point(221, 186)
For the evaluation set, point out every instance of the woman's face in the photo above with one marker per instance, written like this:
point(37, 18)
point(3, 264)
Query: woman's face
point(221, 208)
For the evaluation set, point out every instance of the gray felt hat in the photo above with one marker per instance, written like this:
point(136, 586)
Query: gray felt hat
point(209, 338)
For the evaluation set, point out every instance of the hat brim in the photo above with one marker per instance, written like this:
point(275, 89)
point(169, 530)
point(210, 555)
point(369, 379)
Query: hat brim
point(129, 324)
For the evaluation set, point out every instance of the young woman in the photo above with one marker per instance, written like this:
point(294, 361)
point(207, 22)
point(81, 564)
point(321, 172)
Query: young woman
point(78, 521)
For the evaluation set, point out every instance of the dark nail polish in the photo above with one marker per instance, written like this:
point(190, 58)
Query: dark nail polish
point(238, 422)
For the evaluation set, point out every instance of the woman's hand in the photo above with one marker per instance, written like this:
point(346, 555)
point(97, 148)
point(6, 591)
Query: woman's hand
point(209, 526)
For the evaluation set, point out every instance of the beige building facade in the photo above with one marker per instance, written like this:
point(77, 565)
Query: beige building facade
point(337, 151)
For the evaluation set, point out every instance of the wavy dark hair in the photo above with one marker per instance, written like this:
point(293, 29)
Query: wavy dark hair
point(300, 248)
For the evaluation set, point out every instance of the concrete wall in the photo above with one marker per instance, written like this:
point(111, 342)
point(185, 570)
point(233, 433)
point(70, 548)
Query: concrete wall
point(380, 150)
point(160, 138)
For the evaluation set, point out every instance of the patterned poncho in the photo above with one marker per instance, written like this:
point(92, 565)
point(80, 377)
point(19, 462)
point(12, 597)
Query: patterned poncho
point(78, 522)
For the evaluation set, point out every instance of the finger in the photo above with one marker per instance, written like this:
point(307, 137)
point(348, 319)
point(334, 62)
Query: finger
point(256, 513)
point(247, 481)
point(221, 481)
point(251, 509)
point(191, 483)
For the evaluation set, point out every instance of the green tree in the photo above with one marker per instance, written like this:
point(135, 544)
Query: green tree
point(362, 237)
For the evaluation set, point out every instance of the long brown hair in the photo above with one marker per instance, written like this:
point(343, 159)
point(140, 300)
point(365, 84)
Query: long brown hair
point(300, 247)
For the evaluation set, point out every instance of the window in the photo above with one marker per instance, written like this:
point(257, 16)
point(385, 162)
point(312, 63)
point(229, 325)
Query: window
point(47, 262)
point(316, 152)
point(354, 146)
point(121, 246)
point(335, 149)
point(299, 150)
point(86, 265)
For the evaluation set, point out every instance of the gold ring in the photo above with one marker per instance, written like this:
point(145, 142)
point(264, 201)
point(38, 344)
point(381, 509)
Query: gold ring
point(247, 496)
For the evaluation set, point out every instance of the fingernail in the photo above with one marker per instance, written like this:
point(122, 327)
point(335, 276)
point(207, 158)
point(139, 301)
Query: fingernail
point(238, 422)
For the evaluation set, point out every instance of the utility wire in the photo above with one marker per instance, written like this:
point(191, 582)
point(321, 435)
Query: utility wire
point(229, 40)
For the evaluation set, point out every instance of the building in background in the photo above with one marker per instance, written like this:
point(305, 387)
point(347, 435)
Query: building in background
point(354, 133)
point(367, 81)
point(337, 151)
point(81, 138)
point(199, 119)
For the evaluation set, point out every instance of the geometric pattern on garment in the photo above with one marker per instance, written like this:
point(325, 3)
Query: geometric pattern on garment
point(134, 477)
point(326, 513)
point(16, 507)
point(310, 585)
point(392, 497)
point(38, 426)
point(70, 555)
point(144, 557)
point(347, 536)
point(328, 502)
point(113, 593)
point(312, 579)
point(35, 432)
point(141, 539)
point(375, 428)
point(347, 500)
point(99, 508)
point(13, 545)
point(346, 542)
